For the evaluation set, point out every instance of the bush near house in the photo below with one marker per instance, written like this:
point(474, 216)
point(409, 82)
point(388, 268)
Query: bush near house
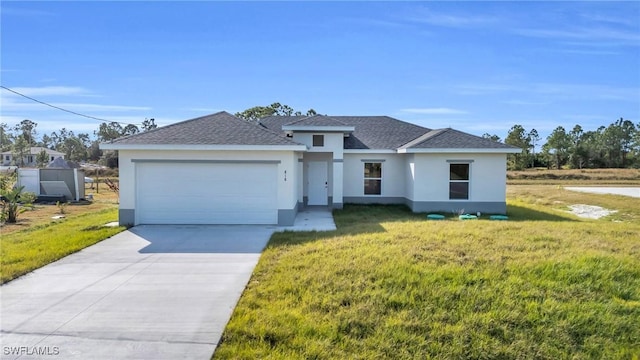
point(389, 284)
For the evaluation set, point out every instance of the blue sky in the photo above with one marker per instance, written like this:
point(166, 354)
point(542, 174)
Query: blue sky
point(474, 66)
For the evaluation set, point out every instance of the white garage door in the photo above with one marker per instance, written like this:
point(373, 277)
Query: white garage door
point(206, 193)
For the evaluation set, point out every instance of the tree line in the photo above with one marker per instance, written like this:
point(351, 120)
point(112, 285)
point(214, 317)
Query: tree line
point(613, 146)
point(79, 147)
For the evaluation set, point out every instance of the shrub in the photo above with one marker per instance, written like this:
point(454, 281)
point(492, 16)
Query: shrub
point(9, 206)
point(62, 207)
point(28, 197)
point(7, 180)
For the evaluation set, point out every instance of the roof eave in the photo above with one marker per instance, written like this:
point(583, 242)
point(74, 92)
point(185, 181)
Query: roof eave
point(196, 147)
point(459, 150)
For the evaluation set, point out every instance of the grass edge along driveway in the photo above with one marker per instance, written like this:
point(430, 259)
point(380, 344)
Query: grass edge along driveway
point(27, 250)
point(389, 284)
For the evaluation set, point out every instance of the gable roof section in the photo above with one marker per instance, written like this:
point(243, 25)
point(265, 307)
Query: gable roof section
point(370, 132)
point(454, 139)
point(317, 123)
point(380, 132)
point(317, 120)
point(219, 129)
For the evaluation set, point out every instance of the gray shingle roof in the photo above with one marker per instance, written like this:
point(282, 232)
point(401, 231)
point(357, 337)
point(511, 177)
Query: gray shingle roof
point(216, 129)
point(371, 132)
point(317, 120)
point(453, 139)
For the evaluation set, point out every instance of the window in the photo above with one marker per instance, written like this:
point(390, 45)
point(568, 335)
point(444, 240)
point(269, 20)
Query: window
point(372, 178)
point(459, 181)
point(318, 140)
point(7, 157)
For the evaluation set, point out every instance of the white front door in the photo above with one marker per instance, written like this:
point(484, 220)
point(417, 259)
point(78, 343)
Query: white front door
point(318, 185)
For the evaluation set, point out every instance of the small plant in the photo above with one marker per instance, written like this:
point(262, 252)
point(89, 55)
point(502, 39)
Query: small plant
point(7, 180)
point(28, 197)
point(9, 205)
point(62, 207)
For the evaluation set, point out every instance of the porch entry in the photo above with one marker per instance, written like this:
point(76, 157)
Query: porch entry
point(318, 183)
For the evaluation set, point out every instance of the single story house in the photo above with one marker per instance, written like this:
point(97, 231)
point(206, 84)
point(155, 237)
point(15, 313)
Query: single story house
point(219, 169)
point(29, 159)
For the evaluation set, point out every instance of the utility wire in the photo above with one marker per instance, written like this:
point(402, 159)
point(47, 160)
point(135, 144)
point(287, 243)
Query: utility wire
point(65, 110)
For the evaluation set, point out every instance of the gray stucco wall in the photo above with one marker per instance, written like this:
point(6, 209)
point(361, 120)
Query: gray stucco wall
point(487, 207)
point(466, 207)
point(126, 217)
point(286, 217)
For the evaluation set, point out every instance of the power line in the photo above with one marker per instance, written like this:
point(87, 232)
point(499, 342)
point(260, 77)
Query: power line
point(65, 110)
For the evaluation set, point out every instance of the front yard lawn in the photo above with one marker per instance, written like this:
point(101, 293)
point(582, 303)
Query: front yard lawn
point(26, 250)
point(390, 284)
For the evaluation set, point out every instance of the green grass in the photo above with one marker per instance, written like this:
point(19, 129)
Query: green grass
point(27, 250)
point(389, 284)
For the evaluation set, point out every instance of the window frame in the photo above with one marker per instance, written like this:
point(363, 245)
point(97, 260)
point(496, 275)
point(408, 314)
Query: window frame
point(466, 181)
point(365, 178)
point(317, 136)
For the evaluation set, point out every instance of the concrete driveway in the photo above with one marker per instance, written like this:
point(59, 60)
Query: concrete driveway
point(154, 292)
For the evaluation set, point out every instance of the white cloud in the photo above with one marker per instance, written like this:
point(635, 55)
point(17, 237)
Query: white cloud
point(51, 90)
point(615, 20)
point(482, 88)
point(23, 12)
point(524, 102)
point(15, 105)
point(434, 111)
point(552, 91)
point(375, 22)
point(594, 34)
point(71, 98)
point(428, 16)
point(584, 51)
point(100, 107)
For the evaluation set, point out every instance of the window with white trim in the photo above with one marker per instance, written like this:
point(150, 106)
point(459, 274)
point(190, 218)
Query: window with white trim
point(372, 178)
point(458, 181)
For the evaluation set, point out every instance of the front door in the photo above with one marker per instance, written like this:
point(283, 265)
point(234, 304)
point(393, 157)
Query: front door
point(318, 185)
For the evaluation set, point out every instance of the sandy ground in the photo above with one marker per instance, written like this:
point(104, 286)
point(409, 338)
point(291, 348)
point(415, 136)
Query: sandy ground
point(590, 211)
point(626, 191)
point(596, 212)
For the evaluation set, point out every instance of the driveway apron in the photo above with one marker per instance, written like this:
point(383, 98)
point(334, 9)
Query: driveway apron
point(153, 292)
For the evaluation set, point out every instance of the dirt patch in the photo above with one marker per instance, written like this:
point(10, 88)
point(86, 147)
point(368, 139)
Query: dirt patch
point(590, 211)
